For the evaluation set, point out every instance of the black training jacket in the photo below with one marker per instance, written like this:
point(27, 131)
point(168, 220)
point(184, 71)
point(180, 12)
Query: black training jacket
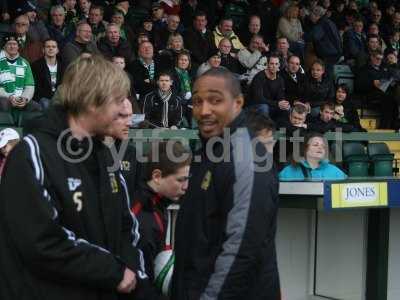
point(225, 236)
point(65, 228)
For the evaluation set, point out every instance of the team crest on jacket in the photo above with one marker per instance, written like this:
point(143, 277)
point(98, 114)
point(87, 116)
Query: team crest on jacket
point(206, 181)
point(113, 183)
point(125, 165)
point(73, 183)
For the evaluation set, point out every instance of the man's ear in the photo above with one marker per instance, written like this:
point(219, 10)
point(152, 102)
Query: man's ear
point(156, 176)
point(239, 101)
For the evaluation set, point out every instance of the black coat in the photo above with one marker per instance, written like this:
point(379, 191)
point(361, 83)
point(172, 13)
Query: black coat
point(200, 46)
point(41, 74)
point(318, 92)
point(294, 90)
point(141, 78)
point(123, 49)
point(225, 232)
point(70, 235)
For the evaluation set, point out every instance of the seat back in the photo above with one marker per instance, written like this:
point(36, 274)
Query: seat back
point(6, 119)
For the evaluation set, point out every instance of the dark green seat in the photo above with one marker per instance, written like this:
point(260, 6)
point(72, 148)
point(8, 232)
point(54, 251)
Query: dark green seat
point(25, 116)
point(6, 119)
point(381, 159)
point(355, 159)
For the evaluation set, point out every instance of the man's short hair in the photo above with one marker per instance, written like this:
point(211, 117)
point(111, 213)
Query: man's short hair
point(199, 13)
point(328, 105)
point(319, 62)
point(49, 40)
point(91, 81)
point(55, 8)
point(92, 7)
point(232, 83)
point(257, 121)
point(375, 53)
point(225, 18)
point(169, 157)
point(273, 55)
point(299, 108)
point(164, 73)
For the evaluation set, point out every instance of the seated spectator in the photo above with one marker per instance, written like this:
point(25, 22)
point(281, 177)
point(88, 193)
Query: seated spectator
point(16, 82)
point(294, 79)
point(372, 80)
point(147, 28)
point(165, 181)
point(113, 45)
point(157, 16)
point(267, 91)
point(252, 29)
point(394, 41)
point(373, 29)
point(47, 73)
point(253, 58)
point(324, 37)
point(318, 87)
point(338, 16)
point(263, 128)
point(28, 49)
point(167, 57)
point(119, 61)
point(393, 26)
point(71, 13)
point(57, 28)
point(326, 122)
point(144, 69)
point(162, 34)
point(9, 138)
point(82, 43)
point(290, 28)
point(282, 49)
point(229, 60)
point(96, 22)
point(84, 8)
point(354, 41)
point(225, 30)
point(214, 61)
point(37, 30)
point(373, 44)
point(163, 107)
point(376, 18)
point(125, 30)
point(296, 120)
point(314, 165)
point(199, 40)
point(348, 113)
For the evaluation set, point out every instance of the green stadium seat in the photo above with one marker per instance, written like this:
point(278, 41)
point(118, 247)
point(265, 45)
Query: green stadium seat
point(6, 119)
point(381, 159)
point(355, 159)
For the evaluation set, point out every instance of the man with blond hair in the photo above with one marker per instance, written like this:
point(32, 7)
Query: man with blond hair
point(68, 233)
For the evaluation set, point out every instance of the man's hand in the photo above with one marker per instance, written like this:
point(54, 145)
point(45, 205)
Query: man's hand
point(128, 283)
point(264, 48)
point(284, 104)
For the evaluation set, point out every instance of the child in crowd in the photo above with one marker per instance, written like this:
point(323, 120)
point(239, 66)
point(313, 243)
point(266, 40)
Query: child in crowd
point(164, 182)
point(9, 138)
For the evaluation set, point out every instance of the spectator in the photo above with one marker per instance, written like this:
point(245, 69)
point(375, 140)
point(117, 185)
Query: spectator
point(354, 41)
point(37, 30)
point(157, 15)
point(9, 138)
point(338, 16)
point(199, 40)
point(326, 122)
point(57, 28)
point(252, 29)
point(294, 79)
point(263, 127)
point(165, 181)
point(229, 60)
point(47, 73)
point(325, 38)
point(393, 26)
point(376, 17)
point(253, 58)
point(349, 114)
point(318, 87)
point(214, 61)
point(71, 13)
point(16, 83)
point(84, 8)
point(371, 81)
point(147, 28)
point(161, 35)
point(225, 30)
point(28, 49)
point(113, 45)
point(163, 107)
point(167, 57)
point(82, 43)
point(144, 70)
point(290, 27)
point(126, 32)
point(315, 164)
point(394, 41)
point(267, 91)
point(96, 22)
point(373, 29)
point(282, 49)
point(373, 44)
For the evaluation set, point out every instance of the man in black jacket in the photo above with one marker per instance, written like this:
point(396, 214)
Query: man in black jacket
point(70, 235)
point(225, 236)
point(326, 122)
point(114, 45)
point(47, 72)
point(294, 78)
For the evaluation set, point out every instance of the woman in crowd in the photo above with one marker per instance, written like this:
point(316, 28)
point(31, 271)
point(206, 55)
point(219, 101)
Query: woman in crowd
point(168, 56)
point(315, 164)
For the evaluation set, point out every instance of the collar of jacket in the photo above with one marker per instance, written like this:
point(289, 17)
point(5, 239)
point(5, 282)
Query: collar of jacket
point(322, 164)
point(149, 199)
point(219, 33)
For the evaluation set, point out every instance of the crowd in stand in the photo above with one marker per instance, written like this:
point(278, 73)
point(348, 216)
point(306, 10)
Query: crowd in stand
point(284, 53)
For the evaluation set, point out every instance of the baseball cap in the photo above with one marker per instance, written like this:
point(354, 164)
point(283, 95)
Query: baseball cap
point(7, 135)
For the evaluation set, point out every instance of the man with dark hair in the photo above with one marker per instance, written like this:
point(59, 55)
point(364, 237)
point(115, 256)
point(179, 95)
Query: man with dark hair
point(354, 41)
point(163, 107)
point(96, 22)
point(224, 29)
point(198, 39)
point(325, 121)
point(162, 34)
point(294, 79)
point(225, 232)
point(114, 45)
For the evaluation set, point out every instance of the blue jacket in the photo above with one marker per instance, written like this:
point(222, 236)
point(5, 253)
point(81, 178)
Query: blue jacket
point(325, 171)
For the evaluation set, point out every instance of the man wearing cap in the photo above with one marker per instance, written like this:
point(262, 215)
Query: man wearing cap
point(37, 30)
point(157, 14)
point(16, 80)
point(9, 138)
